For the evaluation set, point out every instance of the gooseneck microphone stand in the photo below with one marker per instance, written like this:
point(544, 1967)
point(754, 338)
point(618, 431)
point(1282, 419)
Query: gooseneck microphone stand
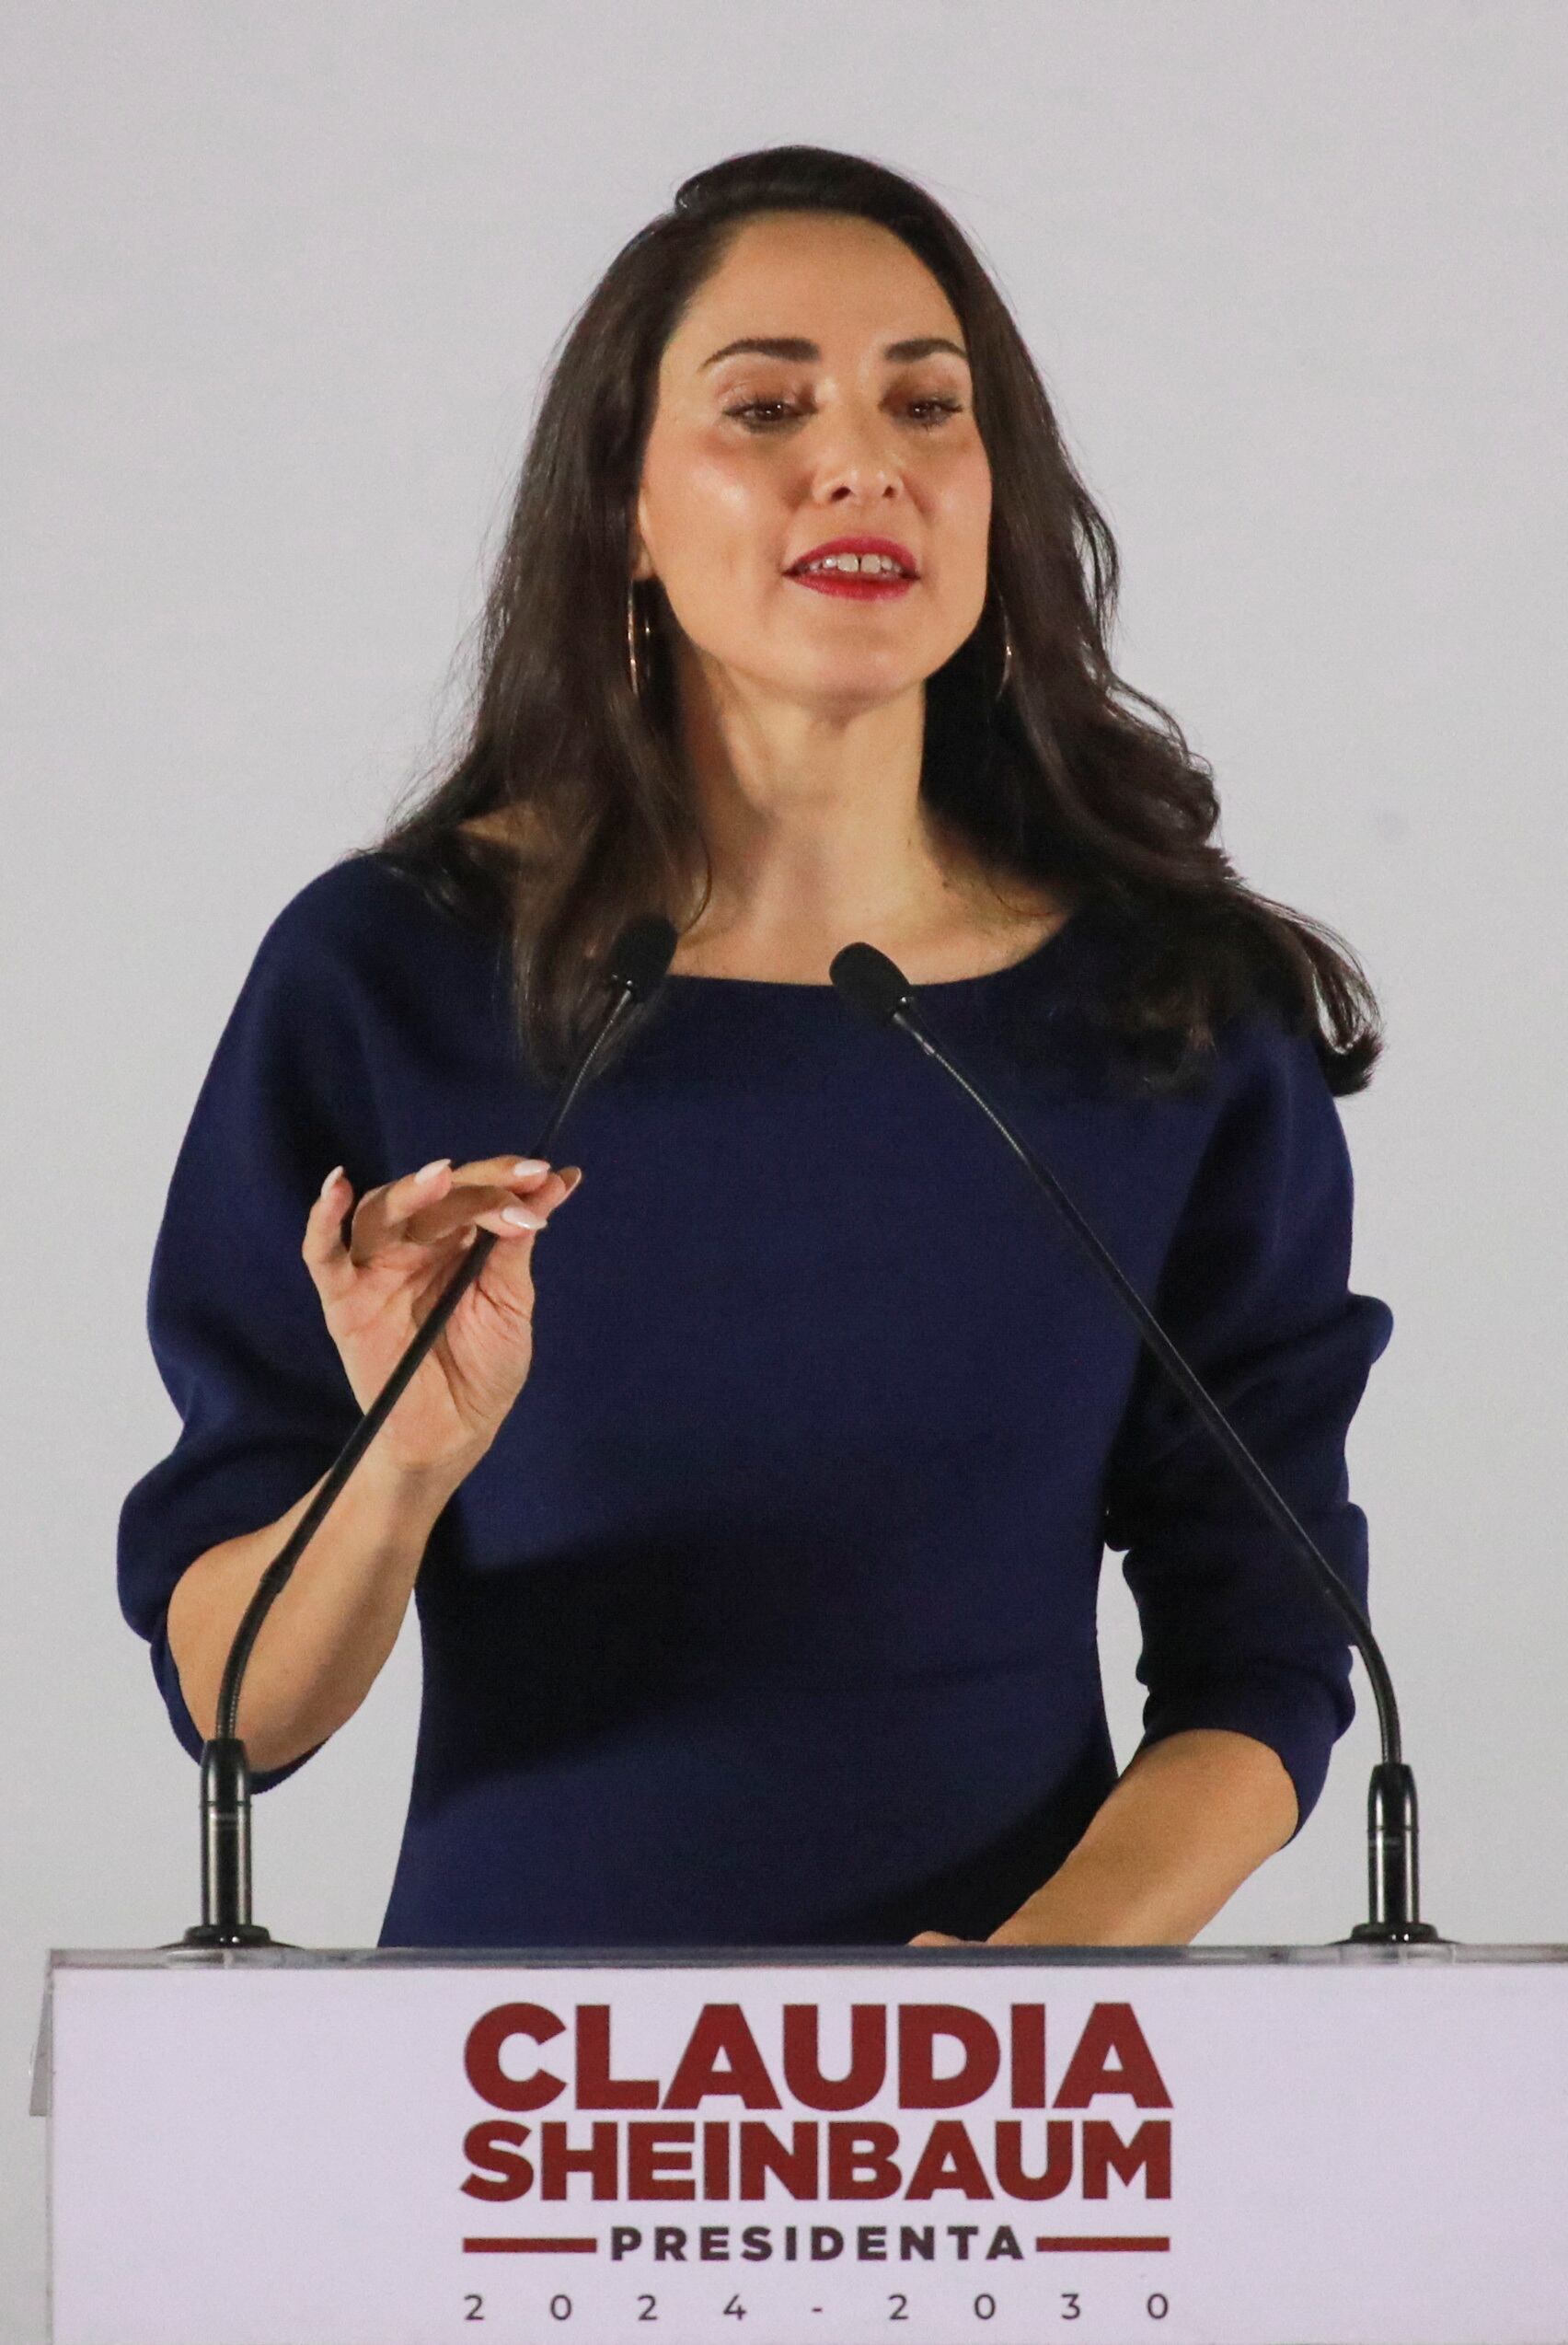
point(877, 986)
point(635, 970)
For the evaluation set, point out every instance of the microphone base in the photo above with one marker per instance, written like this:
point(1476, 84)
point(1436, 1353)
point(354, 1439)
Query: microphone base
point(227, 1933)
point(1394, 1934)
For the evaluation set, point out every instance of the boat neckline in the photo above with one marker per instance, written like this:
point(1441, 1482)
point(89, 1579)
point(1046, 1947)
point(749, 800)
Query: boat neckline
point(1075, 919)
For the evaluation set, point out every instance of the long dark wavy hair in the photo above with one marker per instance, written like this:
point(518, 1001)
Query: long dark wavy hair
point(1060, 779)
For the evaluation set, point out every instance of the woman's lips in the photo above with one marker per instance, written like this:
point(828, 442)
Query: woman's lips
point(860, 590)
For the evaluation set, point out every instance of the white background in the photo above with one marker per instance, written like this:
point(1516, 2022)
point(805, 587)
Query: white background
point(279, 286)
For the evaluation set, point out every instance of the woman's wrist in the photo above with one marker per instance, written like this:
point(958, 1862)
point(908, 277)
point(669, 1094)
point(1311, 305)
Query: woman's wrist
point(416, 1491)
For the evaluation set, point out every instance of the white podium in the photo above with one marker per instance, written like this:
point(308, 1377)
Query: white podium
point(966, 2146)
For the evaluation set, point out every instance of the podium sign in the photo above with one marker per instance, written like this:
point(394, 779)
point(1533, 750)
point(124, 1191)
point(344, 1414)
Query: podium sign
point(986, 2146)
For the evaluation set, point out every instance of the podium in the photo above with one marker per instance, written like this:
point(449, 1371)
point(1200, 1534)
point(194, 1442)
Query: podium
point(808, 2146)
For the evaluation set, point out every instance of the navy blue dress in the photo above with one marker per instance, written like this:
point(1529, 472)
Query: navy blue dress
point(769, 1617)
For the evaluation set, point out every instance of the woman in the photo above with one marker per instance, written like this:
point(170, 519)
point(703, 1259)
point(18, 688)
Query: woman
point(767, 1615)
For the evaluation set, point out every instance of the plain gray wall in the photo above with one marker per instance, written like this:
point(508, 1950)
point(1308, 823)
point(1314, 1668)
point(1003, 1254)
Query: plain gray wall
point(281, 285)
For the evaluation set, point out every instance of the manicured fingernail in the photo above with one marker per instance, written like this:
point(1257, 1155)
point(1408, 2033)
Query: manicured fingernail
point(522, 1216)
point(571, 1174)
point(336, 1174)
point(530, 1164)
point(436, 1165)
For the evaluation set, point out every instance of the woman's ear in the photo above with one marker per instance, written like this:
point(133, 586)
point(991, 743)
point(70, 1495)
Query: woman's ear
point(641, 562)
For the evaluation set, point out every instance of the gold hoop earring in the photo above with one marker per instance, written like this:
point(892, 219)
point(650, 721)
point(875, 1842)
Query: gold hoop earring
point(1006, 654)
point(633, 627)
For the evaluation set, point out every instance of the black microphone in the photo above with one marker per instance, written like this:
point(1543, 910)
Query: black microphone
point(876, 986)
point(634, 971)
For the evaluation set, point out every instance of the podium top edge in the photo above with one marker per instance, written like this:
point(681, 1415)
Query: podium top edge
point(292, 1958)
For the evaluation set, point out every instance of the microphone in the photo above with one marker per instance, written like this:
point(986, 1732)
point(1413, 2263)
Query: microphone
point(872, 984)
point(634, 971)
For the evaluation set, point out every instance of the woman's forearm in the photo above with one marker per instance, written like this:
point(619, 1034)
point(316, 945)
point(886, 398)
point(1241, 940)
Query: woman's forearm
point(327, 1636)
point(1190, 1819)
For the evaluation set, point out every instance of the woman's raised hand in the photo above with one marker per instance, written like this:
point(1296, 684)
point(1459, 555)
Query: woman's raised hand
point(405, 1242)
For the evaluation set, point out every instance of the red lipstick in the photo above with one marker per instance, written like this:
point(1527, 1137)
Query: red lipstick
point(871, 587)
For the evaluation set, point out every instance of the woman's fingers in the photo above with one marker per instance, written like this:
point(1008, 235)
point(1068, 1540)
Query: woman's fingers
point(382, 1216)
point(403, 1238)
point(514, 1196)
point(511, 1195)
point(503, 1211)
point(326, 1255)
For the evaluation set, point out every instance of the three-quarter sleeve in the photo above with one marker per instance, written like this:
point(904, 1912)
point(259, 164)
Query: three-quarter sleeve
point(1254, 1292)
point(235, 1322)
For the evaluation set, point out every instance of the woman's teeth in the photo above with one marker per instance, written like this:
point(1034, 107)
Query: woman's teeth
point(867, 565)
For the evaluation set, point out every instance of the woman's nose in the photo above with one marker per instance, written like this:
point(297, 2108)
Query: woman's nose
point(857, 459)
point(854, 439)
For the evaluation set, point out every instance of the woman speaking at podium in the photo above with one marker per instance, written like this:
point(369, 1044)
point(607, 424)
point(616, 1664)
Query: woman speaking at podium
point(753, 1506)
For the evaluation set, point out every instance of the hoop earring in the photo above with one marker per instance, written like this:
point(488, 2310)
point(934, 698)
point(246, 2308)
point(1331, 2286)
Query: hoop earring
point(633, 628)
point(1007, 654)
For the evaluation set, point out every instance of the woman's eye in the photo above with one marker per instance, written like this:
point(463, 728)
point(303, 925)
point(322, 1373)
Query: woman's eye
point(756, 408)
point(752, 408)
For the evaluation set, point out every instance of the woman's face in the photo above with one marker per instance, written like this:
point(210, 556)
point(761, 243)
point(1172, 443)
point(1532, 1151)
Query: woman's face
point(757, 458)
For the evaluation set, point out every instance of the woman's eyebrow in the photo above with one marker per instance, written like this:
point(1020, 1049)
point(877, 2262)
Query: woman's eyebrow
point(795, 346)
